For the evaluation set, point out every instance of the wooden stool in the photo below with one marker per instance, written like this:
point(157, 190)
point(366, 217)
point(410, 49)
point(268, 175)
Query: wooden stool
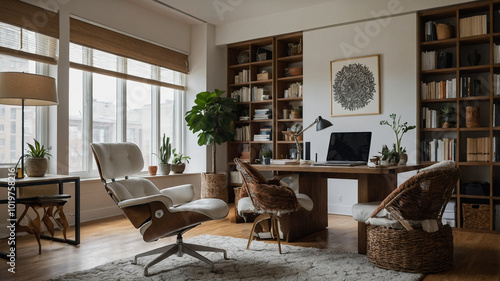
point(48, 203)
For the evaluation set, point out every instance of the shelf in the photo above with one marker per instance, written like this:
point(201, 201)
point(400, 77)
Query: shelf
point(439, 100)
point(290, 120)
point(474, 163)
point(479, 129)
point(290, 59)
point(297, 78)
point(289, 99)
point(479, 98)
point(451, 70)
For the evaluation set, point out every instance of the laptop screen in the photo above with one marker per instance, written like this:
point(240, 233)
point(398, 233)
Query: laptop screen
point(352, 146)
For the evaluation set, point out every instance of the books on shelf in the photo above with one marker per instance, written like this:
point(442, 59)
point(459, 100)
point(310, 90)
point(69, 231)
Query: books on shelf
point(439, 149)
point(294, 90)
point(242, 133)
point(264, 134)
point(430, 31)
point(496, 84)
point(475, 25)
point(241, 95)
point(478, 149)
point(262, 114)
point(259, 93)
point(430, 118)
point(496, 115)
point(439, 89)
point(242, 77)
point(496, 149)
point(428, 60)
point(470, 87)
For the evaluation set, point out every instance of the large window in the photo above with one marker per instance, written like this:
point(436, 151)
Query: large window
point(116, 99)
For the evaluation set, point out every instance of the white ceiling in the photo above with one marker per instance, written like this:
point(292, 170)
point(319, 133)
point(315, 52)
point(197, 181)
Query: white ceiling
point(222, 11)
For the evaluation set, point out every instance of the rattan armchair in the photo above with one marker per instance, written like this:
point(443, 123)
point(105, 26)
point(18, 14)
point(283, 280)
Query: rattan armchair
point(405, 231)
point(269, 199)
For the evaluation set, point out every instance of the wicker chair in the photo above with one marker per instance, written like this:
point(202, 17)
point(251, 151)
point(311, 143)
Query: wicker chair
point(269, 199)
point(405, 232)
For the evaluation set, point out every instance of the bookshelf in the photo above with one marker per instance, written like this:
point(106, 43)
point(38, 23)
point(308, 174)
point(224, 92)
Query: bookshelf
point(461, 69)
point(265, 76)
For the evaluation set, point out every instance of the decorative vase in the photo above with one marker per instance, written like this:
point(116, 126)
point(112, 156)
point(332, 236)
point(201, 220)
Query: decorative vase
point(178, 168)
point(473, 58)
point(36, 167)
point(214, 186)
point(164, 169)
point(152, 170)
point(471, 117)
point(403, 158)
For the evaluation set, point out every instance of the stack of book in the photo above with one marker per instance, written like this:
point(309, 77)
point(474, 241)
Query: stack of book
point(439, 149)
point(262, 114)
point(430, 118)
point(241, 95)
point(470, 87)
point(242, 77)
point(242, 133)
point(475, 25)
point(264, 134)
point(295, 90)
point(478, 149)
point(428, 60)
point(439, 89)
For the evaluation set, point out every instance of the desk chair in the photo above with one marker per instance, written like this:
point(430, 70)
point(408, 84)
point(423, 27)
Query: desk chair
point(156, 213)
point(267, 198)
point(405, 231)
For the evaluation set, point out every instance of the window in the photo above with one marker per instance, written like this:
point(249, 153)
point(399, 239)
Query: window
point(115, 99)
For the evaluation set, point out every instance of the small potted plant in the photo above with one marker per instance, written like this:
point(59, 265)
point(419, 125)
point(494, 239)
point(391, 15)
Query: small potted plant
point(179, 162)
point(37, 157)
point(295, 113)
point(389, 157)
point(165, 152)
point(399, 129)
point(447, 113)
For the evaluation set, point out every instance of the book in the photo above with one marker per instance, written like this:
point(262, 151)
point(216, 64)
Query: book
point(284, 162)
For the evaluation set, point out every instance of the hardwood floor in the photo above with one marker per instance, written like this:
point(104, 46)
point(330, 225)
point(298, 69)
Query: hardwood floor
point(476, 254)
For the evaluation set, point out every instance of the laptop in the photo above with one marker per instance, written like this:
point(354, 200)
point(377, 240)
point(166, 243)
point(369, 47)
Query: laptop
point(347, 149)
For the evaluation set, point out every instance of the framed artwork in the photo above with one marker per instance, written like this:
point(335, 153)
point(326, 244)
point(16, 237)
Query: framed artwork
point(355, 86)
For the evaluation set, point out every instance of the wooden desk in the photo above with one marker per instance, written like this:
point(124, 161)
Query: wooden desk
point(374, 184)
point(34, 181)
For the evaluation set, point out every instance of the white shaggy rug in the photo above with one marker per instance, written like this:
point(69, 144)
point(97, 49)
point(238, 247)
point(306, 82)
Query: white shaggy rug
point(261, 262)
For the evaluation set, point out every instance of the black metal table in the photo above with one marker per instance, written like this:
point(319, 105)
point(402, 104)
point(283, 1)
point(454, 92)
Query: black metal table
point(13, 184)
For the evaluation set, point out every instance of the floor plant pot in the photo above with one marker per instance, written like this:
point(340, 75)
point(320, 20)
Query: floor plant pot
point(164, 169)
point(36, 167)
point(178, 168)
point(214, 186)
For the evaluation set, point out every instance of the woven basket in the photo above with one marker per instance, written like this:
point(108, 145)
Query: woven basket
point(410, 251)
point(444, 31)
point(476, 216)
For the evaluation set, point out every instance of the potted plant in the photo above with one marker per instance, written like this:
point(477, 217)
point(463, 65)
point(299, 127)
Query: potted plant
point(37, 157)
point(213, 117)
point(295, 113)
point(399, 129)
point(179, 162)
point(164, 154)
point(447, 113)
point(389, 157)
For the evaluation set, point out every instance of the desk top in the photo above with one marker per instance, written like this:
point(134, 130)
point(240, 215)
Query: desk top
point(363, 169)
point(47, 178)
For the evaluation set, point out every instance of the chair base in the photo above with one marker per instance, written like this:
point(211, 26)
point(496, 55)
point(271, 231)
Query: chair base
point(410, 251)
point(274, 228)
point(179, 248)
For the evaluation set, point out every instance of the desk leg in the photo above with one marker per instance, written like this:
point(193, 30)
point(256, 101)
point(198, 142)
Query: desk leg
point(77, 211)
point(372, 188)
point(302, 222)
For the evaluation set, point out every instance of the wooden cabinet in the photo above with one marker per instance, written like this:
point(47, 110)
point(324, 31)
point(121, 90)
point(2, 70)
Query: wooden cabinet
point(462, 73)
point(265, 76)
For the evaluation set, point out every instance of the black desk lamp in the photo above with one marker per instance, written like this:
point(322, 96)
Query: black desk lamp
point(320, 125)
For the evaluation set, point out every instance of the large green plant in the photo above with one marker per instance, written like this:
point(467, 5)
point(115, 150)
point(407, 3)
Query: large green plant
point(213, 117)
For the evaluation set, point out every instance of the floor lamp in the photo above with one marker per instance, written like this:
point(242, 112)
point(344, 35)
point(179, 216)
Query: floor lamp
point(25, 89)
point(320, 125)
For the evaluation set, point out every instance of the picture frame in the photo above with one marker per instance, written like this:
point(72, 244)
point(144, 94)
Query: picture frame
point(355, 86)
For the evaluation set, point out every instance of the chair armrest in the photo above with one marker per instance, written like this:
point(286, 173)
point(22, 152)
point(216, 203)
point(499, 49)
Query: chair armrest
point(146, 200)
point(179, 194)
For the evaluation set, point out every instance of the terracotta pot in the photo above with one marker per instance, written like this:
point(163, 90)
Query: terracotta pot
point(36, 167)
point(214, 186)
point(178, 168)
point(152, 170)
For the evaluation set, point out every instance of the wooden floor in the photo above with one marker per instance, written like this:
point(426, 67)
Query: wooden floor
point(476, 254)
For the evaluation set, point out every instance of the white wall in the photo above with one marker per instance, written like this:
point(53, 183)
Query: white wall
point(395, 40)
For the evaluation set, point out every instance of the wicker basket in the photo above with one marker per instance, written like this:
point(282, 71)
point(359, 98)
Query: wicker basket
point(476, 216)
point(444, 31)
point(410, 251)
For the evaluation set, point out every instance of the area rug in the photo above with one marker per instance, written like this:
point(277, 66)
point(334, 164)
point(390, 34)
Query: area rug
point(261, 262)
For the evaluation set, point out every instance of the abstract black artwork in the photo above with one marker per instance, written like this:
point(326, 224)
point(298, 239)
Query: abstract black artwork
point(355, 86)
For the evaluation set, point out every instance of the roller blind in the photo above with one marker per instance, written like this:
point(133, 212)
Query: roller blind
point(29, 17)
point(89, 35)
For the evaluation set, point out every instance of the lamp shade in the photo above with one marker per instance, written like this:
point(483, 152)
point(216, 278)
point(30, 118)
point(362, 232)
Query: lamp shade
point(33, 89)
point(322, 124)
